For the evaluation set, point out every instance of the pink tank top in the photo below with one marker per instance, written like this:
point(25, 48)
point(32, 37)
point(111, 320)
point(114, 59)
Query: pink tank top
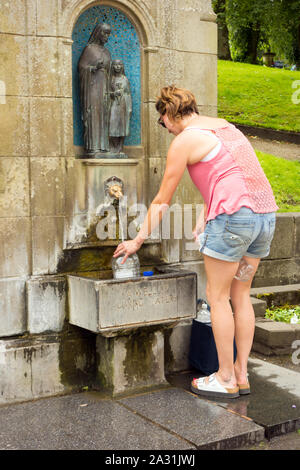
point(233, 178)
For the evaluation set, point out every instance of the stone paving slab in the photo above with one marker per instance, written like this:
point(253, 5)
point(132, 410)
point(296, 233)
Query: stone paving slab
point(204, 424)
point(80, 422)
point(274, 402)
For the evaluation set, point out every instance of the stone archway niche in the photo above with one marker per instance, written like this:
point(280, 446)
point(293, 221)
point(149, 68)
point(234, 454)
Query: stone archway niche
point(123, 44)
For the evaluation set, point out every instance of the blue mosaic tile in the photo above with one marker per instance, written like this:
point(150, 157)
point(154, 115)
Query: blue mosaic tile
point(123, 44)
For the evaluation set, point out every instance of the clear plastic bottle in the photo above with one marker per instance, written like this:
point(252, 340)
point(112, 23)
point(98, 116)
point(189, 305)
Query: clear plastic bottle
point(244, 272)
point(294, 319)
point(128, 270)
point(203, 314)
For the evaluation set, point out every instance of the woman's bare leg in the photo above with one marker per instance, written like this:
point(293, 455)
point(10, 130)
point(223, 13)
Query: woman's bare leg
point(219, 279)
point(244, 320)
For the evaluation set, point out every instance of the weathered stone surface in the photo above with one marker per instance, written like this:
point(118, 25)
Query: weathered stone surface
point(44, 69)
point(259, 307)
point(285, 230)
point(29, 369)
point(45, 127)
point(14, 130)
point(47, 186)
point(47, 243)
point(15, 246)
point(18, 16)
point(86, 182)
point(13, 64)
point(208, 110)
point(45, 365)
point(155, 171)
point(196, 267)
point(14, 187)
point(67, 147)
point(194, 35)
point(154, 81)
point(85, 196)
point(200, 76)
point(170, 250)
point(47, 17)
point(158, 140)
point(130, 363)
point(277, 272)
point(278, 295)
point(12, 307)
point(65, 67)
point(110, 305)
point(204, 8)
point(46, 304)
point(177, 345)
point(297, 234)
point(275, 338)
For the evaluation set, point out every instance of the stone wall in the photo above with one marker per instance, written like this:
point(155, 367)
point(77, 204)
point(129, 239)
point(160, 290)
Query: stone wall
point(37, 156)
point(39, 169)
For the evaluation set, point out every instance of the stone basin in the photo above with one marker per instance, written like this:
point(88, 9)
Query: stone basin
point(110, 307)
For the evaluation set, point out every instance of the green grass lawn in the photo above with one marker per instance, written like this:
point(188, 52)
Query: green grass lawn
point(258, 96)
point(284, 177)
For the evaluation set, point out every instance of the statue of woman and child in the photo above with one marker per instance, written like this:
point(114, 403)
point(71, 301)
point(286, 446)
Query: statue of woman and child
point(105, 98)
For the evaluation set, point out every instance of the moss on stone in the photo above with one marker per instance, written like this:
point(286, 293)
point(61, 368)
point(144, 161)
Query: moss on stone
point(77, 360)
point(140, 360)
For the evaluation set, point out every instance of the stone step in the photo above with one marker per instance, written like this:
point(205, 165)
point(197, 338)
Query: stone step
point(279, 295)
point(259, 307)
point(274, 338)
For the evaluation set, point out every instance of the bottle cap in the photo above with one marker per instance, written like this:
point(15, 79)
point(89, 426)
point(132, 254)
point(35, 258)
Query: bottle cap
point(148, 273)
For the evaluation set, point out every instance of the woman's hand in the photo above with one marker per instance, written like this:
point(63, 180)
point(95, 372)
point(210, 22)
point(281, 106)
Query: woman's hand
point(196, 232)
point(127, 248)
point(201, 223)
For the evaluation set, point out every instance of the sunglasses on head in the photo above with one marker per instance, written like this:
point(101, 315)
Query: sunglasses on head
point(161, 122)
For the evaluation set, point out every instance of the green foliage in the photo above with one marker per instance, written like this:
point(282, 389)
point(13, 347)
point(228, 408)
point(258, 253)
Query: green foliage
point(247, 27)
point(257, 96)
point(284, 177)
point(259, 25)
point(284, 29)
point(284, 313)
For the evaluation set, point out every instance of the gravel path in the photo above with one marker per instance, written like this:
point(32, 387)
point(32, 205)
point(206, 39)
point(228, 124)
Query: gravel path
point(274, 147)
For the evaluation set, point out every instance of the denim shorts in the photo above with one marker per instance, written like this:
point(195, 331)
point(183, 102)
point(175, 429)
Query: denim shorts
point(244, 233)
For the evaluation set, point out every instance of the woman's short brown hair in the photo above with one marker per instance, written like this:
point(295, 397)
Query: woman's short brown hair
point(176, 102)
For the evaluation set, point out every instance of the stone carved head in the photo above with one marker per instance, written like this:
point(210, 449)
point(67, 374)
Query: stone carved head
point(117, 66)
point(100, 34)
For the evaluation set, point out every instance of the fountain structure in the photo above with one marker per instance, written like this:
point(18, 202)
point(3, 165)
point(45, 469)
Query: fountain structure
point(129, 317)
point(80, 130)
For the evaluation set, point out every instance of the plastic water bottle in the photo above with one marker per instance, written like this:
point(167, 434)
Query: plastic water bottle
point(244, 272)
point(294, 319)
point(128, 270)
point(203, 314)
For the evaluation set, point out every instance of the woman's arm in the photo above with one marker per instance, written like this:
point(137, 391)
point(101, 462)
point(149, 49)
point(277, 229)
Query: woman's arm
point(175, 166)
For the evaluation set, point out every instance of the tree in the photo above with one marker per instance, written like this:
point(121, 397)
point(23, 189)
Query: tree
point(256, 25)
point(219, 7)
point(247, 26)
point(284, 29)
